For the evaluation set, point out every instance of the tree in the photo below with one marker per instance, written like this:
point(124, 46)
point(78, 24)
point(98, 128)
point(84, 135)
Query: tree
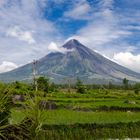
point(110, 85)
point(79, 86)
point(125, 83)
point(43, 84)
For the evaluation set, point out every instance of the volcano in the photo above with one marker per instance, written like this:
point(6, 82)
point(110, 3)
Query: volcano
point(77, 61)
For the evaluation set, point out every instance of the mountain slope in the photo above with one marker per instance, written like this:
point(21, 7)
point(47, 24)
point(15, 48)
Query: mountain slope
point(77, 61)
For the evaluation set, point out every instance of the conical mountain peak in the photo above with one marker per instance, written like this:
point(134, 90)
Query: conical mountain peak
point(81, 62)
point(71, 44)
point(73, 41)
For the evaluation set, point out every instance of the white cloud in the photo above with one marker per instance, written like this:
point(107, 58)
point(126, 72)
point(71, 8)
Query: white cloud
point(104, 28)
point(54, 48)
point(132, 27)
point(80, 10)
point(106, 3)
point(1, 2)
point(109, 30)
point(24, 31)
point(102, 32)
point(21, 35)
point(129, 60)
point(7, 66)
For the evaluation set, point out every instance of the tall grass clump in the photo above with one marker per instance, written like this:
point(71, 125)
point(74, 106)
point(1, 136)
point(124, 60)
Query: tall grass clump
point(5, 105)
point(34, 118)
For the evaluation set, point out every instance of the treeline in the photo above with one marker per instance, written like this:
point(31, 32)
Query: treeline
point(126, 85)
point(45, 86)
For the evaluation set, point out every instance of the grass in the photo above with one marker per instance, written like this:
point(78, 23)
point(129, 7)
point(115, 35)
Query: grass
point(117, 94)
point(84, 116)
point(88, 108)
point(67, 124)
point(95, 100)
point(72, 117)
point(16, 116)
point(94, 103)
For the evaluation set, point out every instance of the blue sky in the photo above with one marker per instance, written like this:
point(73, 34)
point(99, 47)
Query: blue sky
point(30, 29)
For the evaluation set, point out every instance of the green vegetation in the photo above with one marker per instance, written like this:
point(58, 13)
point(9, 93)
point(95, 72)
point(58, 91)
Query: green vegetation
point(80, 87)
point(65, 117)
point(43, 84)
point(86, 112)
point(125, 83)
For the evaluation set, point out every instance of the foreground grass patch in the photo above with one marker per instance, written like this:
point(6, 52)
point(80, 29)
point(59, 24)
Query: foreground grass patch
point(121, 131)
